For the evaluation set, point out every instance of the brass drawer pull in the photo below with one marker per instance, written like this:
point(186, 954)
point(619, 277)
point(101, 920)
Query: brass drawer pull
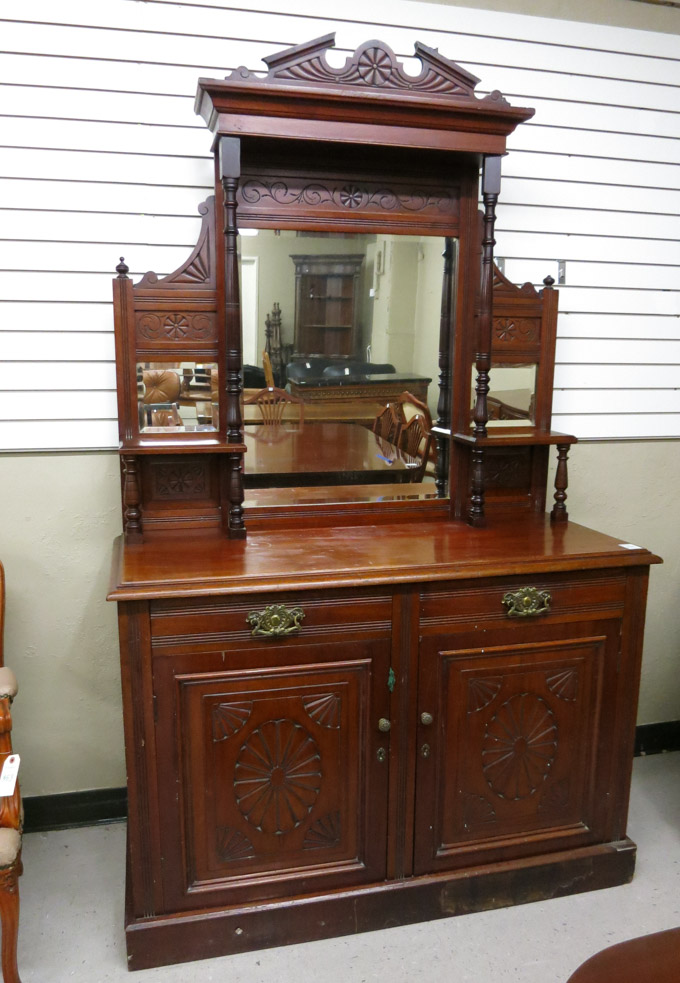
point(275, 620)
point(527, 602)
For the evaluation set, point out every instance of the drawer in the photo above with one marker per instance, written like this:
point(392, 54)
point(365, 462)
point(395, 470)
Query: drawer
point(570, 596)
point(208, 623)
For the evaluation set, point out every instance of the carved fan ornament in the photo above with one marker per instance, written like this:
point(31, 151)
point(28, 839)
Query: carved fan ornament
point(519, 746)
point(277, 776)
point(373, 65)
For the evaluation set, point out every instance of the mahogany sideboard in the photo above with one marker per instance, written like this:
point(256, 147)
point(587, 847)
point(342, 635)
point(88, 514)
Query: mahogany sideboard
point(355, 708)
point(432, 737)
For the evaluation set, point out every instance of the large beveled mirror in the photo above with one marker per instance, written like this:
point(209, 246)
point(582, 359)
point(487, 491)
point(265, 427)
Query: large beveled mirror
point(349, 327)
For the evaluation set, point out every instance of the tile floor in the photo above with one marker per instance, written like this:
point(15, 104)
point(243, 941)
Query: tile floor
point(72, 917)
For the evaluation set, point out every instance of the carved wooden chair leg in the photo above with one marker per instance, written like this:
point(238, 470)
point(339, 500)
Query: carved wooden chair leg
point(9, 914)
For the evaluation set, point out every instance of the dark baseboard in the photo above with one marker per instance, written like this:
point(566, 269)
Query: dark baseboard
point(656, 738)
point(109, 805)
point(67, 809)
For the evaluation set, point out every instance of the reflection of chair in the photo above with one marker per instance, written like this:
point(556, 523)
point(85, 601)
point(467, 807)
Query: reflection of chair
point(388, 423)
point(161, 385)
point(10, 820)
point(268, 373)
point(273, 402)
point(411, 405)
point(166, 416)
point(415, 440)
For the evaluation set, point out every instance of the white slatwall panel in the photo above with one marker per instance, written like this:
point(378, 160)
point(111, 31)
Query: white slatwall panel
point(101, 155)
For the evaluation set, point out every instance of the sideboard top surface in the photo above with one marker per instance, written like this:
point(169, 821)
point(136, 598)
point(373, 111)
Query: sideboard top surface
point(204, 563)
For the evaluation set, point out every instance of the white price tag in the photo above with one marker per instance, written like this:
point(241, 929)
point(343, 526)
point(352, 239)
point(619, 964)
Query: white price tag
point(8, 775)
point(629, 546)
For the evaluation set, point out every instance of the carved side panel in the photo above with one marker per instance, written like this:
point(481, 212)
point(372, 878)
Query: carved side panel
point(161, 330)
point(182, 480)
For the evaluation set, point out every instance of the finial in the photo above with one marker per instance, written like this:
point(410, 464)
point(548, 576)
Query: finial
point(122, 270)
point(549, 281)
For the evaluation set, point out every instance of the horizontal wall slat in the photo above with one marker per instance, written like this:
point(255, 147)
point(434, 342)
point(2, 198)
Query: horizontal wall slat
point(84, 165)
point(572, 194)
point(58, 434)
point(90, 257)
point(67, 375)
point(580, 165)
point(557, 140)
point(93, 227)
point(556, 245)
point(66, 133)
point(618, 426)
point(56, 346)
point(624, 301)
point(630, 401)
point(617, 350)
point(42, 315)
point(36, 405)
point(587, 222)
point(84, 196)
point(615, 376)
point(616, 326)
point(600, 275)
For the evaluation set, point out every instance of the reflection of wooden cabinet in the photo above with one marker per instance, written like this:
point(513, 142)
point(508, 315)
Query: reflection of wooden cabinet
point(411, 750)
point(326, 304)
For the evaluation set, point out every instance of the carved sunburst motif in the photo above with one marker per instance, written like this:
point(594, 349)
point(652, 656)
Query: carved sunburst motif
point(519, 746)
point(375, 66)
point(176, 326)
point(277, 776)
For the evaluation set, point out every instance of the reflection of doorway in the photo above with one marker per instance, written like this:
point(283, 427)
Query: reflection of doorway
point(249, 315)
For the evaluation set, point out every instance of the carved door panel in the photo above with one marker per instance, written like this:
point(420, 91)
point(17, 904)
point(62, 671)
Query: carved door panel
point(281, 789)
point(516, 759)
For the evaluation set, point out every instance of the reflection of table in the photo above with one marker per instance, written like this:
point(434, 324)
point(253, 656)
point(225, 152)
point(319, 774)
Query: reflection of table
point(321, 454)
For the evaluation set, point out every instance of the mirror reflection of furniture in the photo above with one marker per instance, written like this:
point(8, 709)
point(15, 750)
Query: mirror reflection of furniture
point(415, 440)
point(388, 423)
point(268, 374)
point(326, 312)
point(10, 819)
point(161, 385)
point(273, 403)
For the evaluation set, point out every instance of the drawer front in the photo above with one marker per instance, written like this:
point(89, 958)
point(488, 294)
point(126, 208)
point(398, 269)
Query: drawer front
point(258, 619)
point(570, 596)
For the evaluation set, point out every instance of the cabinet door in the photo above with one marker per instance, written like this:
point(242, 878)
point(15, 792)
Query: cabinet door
point(273, 780)
point(517, 758)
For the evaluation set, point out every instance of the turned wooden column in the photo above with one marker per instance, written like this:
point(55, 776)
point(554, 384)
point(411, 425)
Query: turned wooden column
point(230, 172)
point(444, 401)
point(132, 513)
point(559, 510)
point(491, 186)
